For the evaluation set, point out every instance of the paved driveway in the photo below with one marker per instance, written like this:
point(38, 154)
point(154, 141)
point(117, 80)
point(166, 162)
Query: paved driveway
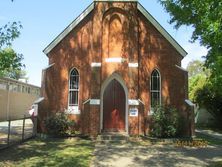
point(133, 155)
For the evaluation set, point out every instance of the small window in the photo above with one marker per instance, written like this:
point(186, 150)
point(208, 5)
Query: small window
point(155, 88)
point(74, 91)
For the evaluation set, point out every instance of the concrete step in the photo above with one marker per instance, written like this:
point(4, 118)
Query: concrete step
point(108, 142)
point(112, 137)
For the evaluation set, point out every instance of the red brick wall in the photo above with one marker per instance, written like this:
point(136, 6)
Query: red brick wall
point(157, 53)
point(89, 42)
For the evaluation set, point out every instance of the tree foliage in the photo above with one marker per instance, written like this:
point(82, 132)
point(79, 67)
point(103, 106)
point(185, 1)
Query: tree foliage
point(10, 62)
point(196, 67)
point(8, 33)
point(206, 19)
point(197, 77)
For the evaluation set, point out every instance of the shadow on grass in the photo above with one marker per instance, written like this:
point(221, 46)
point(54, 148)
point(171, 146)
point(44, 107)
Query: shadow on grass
point(211, 140)
point(49, 152)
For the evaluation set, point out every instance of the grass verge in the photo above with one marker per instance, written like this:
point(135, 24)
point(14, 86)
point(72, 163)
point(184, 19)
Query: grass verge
point(49, 152)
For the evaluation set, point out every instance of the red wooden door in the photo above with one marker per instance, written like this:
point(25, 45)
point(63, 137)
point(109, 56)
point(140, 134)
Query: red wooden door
point(114, 106)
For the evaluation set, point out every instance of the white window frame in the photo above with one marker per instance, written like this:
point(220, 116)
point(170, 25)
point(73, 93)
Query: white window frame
point(155, 91)
point(73, 109)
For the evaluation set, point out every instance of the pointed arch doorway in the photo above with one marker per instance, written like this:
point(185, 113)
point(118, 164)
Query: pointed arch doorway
point(114, 101)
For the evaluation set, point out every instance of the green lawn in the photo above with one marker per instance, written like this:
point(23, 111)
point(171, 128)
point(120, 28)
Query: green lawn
point(48, 152)
point(210, 140)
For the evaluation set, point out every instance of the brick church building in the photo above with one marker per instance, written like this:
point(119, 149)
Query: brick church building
point(110, 66)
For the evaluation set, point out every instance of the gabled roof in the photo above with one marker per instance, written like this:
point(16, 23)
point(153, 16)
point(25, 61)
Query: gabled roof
point(90, 8)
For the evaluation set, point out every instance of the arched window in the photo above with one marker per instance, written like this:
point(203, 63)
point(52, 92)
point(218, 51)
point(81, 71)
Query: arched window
point(155, 88)
point(74, 90)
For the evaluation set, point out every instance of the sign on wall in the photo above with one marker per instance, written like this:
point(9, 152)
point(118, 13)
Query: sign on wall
point(133, 112)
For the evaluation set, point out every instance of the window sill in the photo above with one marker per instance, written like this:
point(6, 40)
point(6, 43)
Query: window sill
point(73, 110)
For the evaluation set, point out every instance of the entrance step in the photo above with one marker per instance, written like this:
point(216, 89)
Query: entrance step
point(112, 138)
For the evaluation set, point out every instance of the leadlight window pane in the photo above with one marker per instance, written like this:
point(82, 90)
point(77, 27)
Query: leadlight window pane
point(73, 100)
point(74, 79)
point(73, 88)
point(155, 88)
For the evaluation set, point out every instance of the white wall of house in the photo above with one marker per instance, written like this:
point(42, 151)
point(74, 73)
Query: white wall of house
point(203, 117)
point(16, 98)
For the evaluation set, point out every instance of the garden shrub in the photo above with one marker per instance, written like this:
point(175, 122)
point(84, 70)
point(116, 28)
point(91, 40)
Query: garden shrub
point(59, 124)
point(165, 122)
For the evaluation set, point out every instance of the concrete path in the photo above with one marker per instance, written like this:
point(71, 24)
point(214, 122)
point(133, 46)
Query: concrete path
point(210, 133)
point(133, 155)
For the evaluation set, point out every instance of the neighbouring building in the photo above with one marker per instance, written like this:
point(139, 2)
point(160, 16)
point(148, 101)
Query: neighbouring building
point(110, 66)
point(16, 98)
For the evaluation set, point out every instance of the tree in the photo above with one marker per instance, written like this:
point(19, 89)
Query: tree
point(10, 61)
point(206, 19)
point(197, 77)
point(16, 74)
point(9, 33)
point(196, 67)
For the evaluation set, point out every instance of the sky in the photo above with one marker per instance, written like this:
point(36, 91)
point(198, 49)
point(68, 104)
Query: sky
point(43, 20)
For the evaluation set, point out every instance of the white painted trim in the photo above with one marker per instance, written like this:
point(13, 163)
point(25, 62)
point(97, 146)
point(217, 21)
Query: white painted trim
point(94, 102)
point(70, 110)
point(161, 29)
point(150, 112)
point(68, 92)
point(115, 60)
point(96, 64)
point(68, 29)
point(181, 68)
point(49, 66)
point(133, 65)
point(104, 85)
point(88, 100)
point(39, 100)
point(141, 101)
point(133, 102)
point(189, 103)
